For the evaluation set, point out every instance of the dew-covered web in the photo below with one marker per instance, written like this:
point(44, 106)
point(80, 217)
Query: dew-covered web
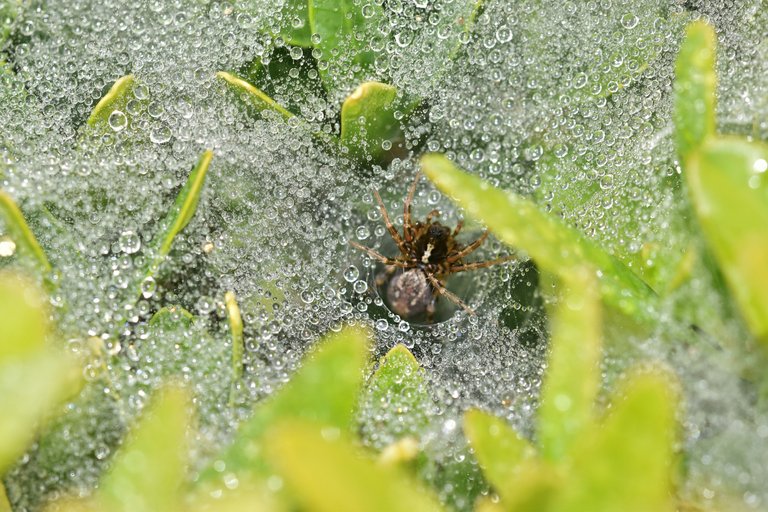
point(527, 99)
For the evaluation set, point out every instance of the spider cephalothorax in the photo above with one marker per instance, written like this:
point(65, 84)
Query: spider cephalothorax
point(429, 253)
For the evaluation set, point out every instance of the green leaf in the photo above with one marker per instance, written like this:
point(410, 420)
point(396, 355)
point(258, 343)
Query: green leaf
point(367, 120)
point(24, 320)
point(116, 99)
point(20, 232)
point(171, 318)
point(695, 88)
point(396, 401)
point(554, 246)
point(627, 463)
point(573, 374)
point(147, 474)
point(329, 474)
point(498, 448)
point(9, 10)
point(346, 28)
point(323, 391)
point(728, 184)
point(252, 96)
point(181, 213)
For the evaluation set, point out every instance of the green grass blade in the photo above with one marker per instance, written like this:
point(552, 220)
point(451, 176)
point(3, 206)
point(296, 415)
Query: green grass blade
point(252, 96)
point(21, 234)
point(328, 474)
point(323, 391)
point(573, 375)
point(398, 395)
point(147, 474)
point(498, 448)
point(238, 344)
point(728, 184)
point(367, 119)
point(695, 88)
point(555, 247)
point(116, 99)
point(183, 209)
point(627, 463)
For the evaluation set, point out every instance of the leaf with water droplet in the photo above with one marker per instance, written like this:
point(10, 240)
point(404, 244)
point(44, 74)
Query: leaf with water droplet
point(328, 473)
point(728, 184)
point(252, 96)
point(345, 28)
point(396, 403)
point(368, 122)
point(21, 234)
point(324, 391)
point(695, 89)
point(116, 99)
point(554, 246)
point(238, 343)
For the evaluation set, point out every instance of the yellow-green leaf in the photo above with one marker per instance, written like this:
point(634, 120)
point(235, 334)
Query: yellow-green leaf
point(252, 96)
point(627, 463)
point(116, 99)
point(695, 88)
point(554, 246)
point(728, 183)
point(148, 472)
point(367, 119)
point(324, 390)
point(30, 390)
point(573, 374)
point(24, 319)
point(329, 474)
point(498, 448)
point(20, 233)
point(238, 343)
point(396, 400)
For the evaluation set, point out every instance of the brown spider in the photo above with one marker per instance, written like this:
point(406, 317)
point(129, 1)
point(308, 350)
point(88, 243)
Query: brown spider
point(429, 253)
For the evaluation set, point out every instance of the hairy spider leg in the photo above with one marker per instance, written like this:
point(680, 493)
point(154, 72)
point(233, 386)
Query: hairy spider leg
point(381, 257)
point(480, 264)
point(430, 215)
point(392, 231)
point(458, 227)
point(407, 207)
point(448, 295)
point(468, 249)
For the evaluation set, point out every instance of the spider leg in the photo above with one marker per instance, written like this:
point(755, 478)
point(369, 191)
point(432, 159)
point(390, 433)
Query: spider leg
point(392, 231)
point(381, 257)
point(407, 207)
point(448, 295)
point(458, 227)
point(480, 264)
point(433, 213)
point(468, 249)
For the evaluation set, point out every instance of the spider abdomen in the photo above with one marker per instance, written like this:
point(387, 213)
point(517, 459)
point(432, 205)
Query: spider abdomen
point(409, 293)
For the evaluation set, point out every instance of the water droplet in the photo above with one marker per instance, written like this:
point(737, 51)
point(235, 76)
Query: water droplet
point(129, 242)
point(148, 287)
point(351, 274)
point(117, 121)
point(629, 21)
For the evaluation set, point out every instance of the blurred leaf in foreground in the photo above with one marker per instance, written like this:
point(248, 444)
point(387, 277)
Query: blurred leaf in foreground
point(554, 246)
point(695, 88)
point(324, 391)
point(728, 184)
point(33, 380)
point(329, 474)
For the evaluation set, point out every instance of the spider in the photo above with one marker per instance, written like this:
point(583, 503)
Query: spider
point(429, 253)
